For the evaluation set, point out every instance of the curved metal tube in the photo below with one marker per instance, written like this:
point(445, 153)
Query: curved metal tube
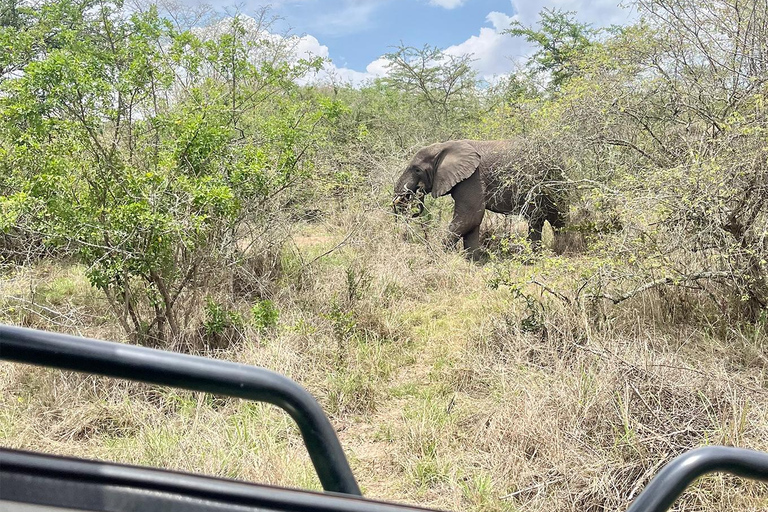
point(193, 373)
point(672, 480)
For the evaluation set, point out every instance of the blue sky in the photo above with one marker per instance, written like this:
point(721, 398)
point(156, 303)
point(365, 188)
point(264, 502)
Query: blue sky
point(354, 34)
point(357, 33)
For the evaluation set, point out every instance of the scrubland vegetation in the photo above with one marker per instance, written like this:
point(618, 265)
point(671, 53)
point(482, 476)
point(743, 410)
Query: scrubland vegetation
point(174, 180)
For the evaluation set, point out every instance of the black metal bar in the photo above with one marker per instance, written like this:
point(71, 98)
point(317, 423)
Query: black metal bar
point(672, 480)
point(193, 373)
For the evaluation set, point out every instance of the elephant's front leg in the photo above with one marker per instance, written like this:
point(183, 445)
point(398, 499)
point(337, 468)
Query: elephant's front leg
point(452, 237)
point(468, 212)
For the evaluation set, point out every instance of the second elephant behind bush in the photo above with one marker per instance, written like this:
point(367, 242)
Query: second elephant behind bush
point(514, 176)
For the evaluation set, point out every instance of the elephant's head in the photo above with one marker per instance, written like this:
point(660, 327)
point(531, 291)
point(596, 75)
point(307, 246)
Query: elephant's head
point(436, 169)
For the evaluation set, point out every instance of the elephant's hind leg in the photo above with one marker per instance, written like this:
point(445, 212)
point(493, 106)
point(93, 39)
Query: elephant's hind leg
point(546, 211)
point(535, 229)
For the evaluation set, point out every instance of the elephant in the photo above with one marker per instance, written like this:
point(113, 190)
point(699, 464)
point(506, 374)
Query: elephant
point(514, 176)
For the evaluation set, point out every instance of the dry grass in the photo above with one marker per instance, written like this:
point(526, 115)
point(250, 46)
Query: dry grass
point(441, 394)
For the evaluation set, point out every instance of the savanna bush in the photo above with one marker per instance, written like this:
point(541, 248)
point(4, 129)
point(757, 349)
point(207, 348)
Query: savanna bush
point(148, 151)
point(665, 123)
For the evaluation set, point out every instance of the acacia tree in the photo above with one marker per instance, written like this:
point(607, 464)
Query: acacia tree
point(560, 43)
point(443, 82)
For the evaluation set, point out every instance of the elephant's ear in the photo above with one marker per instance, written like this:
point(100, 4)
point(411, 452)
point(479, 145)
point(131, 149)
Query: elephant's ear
point(455, 163)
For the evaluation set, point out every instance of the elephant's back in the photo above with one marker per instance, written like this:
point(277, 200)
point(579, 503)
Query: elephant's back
point(517, 155)
point(498, 155)
point(502, 154)
point(510, 168)
point(496, 147)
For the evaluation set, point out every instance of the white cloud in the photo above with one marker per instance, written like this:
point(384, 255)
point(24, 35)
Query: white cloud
point(378, 68)
point(447, 4)
point(490, 49)
point(308, 46)
point(343, 75)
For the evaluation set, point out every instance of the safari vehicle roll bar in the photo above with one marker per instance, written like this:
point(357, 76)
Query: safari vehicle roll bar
point(89, 485)
point(193, 373)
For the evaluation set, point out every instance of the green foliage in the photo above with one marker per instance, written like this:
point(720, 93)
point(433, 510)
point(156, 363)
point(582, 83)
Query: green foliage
point(534, 320)
point(218, 318)
point(148, 152)
point(515, 247)
point(665, 144)
point(342, 321)
point(265, 315)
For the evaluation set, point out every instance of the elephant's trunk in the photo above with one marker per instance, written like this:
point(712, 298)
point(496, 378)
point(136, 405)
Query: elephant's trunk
point(409, 203)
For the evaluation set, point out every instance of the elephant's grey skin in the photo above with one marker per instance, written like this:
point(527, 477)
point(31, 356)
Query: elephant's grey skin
point(503, 176)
